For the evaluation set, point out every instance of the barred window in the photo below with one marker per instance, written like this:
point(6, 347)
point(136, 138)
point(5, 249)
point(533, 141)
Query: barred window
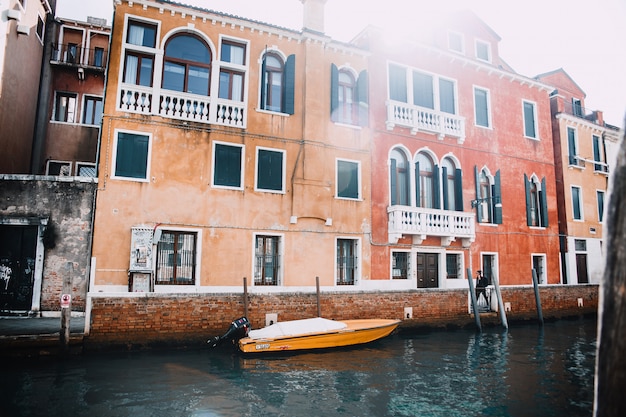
point(267, 260)
point(176, 258)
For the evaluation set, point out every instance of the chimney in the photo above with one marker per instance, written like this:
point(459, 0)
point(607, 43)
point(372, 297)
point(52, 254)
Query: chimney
point(313, 15)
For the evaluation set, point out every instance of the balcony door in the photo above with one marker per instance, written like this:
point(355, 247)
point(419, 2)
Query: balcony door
point(427, 270)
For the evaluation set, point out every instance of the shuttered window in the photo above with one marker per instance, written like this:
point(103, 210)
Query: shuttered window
point(347, 179)
point(131, 155)
point(227, 165)
point(270, 170)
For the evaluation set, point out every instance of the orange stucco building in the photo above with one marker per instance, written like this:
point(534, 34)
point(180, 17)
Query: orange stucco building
point(230, 149)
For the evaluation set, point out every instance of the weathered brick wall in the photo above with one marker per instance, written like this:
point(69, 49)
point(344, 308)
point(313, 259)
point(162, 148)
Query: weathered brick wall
point(68, 204)
point(144, 319)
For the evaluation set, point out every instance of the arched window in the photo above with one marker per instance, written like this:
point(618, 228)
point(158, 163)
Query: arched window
point(187, 65)
point(347, 110)
point(399, 178)
point(273, 84)
point(425, 182)
point(451, 185)
point(485, 197)
point(536, 204)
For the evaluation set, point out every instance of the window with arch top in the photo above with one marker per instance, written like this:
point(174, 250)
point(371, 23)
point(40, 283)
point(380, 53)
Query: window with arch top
point(451, 180)
point(277, 83)
point(348, 97)
point(399, 178)
point(187, 65)
point(426, 182)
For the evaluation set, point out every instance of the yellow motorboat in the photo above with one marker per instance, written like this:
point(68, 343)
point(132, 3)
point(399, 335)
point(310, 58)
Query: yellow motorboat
point(315, 333)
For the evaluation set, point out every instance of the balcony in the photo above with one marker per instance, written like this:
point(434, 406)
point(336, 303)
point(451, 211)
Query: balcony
point(76, 55)
point(181, 106)
point(424, 119)
point(420, 223)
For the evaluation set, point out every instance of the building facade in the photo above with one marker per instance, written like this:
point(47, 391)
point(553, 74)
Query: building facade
point(22, 33)
point(585, 148)
point(230, 149)
point(462, 161)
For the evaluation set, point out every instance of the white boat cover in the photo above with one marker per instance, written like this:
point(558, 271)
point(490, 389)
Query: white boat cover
point(297, 327)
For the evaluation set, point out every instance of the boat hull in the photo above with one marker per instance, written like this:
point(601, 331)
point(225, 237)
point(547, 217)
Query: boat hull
point(356, 332)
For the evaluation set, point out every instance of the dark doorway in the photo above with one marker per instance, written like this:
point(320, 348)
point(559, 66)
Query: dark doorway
point(581, 268)
point(427, 270)
point(18, 245)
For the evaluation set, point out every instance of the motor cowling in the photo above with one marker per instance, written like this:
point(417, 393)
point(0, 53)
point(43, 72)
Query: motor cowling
point(238, 329)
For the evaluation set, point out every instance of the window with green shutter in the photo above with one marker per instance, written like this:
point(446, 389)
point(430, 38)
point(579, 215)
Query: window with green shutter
point(270, 170)
point(348, 179)
point(131, 155)
point(227, 165)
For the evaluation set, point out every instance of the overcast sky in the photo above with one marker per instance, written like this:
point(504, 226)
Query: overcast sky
point(585, 38)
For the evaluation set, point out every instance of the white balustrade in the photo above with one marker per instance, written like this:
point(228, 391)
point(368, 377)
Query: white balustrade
point(423, 119)
point(181, 106)
point(404, 220)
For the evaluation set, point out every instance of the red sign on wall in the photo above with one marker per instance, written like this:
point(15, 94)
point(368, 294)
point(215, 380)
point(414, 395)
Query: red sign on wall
point(66, 299)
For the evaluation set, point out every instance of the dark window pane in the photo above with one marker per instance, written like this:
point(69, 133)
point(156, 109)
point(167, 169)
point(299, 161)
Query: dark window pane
point(174, 76)
point(482, 110)
point(529, 120)
point(347, 179)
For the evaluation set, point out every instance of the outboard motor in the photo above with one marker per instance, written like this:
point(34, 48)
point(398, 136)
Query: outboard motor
point(237, 330)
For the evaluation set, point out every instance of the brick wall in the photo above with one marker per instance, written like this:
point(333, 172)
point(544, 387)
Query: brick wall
point(147, 319)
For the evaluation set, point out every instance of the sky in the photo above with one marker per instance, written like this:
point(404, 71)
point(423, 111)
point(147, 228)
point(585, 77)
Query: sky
point(585, 38)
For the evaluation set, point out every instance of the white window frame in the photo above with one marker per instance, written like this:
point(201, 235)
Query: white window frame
point(43, 28)
point(359, 196)
point(460, 265)
point(358, 264)
point(256, 170)
point(461, 38)
point(114, 155)
point(603, 192)
point(60, 162)
point(488, 104)
point(478, 42)
point(84, 106)
point(409, 271)
point(580, 203)
point(535, 122)
point(243, 167)
point(77, 110)
point(541, 279)
point(170, 288)
point(157, 62)
point(281, 255)
point(217, 66)
point(79, 165)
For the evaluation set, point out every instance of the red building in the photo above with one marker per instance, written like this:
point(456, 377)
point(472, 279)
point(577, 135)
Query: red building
point(462, 161)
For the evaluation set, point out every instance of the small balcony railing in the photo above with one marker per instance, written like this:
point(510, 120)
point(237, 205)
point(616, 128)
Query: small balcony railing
point(424, 119)
point(577, 110)
point(72, 54)
point(421, 222)
point(181, 106)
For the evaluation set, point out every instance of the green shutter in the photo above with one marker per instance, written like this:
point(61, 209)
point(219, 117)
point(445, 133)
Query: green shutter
point(362, 89)
point(571, 145)
point(444, 186)
point(544, 203)
point(334, 91)
point(263, 84)
point(270, 170)
point(418, 200)
point(436, 187)
point(497, 200)
point(227, 166)
point(458, 189)
point(290, 83)
point(392, 181)
point(529, 219)
point(131, 156)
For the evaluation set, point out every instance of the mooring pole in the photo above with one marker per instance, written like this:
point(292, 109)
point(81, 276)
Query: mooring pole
point(537, 298)
point(474, 300)
point(317, 287)
point(245, 297)
point(496, 285)
point(66, 307)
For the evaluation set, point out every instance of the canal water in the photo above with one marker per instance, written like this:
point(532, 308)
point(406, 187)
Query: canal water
point(528, 370)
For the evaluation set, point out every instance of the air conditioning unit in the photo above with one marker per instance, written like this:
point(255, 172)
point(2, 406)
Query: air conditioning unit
point(23, 29)
point(14, 15)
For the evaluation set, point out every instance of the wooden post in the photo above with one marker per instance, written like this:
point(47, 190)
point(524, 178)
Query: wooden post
point(470, 280)
point(611, 361)
point(66, 307)
point(537, 298)
point(245, 297)
point(319, 306)
point(496, 286)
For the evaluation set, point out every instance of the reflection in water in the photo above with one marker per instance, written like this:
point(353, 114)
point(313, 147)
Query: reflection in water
point(528, 370)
